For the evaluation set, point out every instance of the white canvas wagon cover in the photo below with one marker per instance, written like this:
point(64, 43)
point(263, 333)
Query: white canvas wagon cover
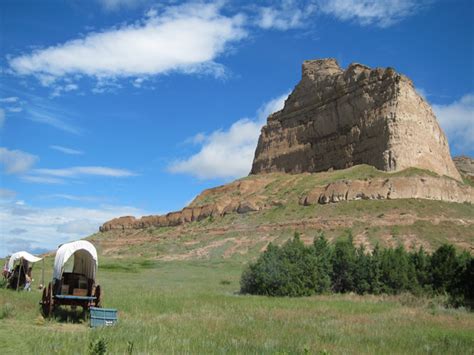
point(21, 255)
point(85, 259)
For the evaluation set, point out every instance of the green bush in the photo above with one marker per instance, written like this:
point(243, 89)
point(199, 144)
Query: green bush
point(289, 270)
point(98, 347)
point(298, 270)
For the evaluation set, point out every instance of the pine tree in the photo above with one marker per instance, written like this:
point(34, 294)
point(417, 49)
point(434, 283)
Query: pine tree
point(443, 267)
point(375, 275)
point(362, 271)
point(323, 253)
point(421, 263)
point(343, 265)
point(396, 272)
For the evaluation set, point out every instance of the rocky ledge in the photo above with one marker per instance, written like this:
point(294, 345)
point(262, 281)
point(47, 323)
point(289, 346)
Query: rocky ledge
point(426, 187)
point(253, 194)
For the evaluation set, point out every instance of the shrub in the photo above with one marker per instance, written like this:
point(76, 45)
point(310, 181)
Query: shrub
point(98, 347)
point(343, 265)
point(298, 270)
point(289, 270)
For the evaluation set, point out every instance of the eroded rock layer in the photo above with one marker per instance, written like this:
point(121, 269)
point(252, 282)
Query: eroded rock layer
point(336, 118)
point(426, 187)
point(267, 191)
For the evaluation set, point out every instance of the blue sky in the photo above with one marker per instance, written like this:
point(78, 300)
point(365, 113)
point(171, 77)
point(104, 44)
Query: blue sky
point(132, 107)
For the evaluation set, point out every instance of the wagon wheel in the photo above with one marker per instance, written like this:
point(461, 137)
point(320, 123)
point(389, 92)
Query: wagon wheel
point(47, 302)
point(51, 302)
point(99, 296)
point(44, 302)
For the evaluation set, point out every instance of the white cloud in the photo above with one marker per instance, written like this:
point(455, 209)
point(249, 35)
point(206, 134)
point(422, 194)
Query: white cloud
point(457, 120)
point(15, 109)
point(2, 117)
point(270, 107)
point(286, 15)
point(66, 150)
point(381, 13)
point(117, 4)
point(78, 171)
point(46, 228)
point(76, 198)
point(18, 231)
point(186, 38)
point(9, 100)
point(16, 161)
point(42, 179)
point(59, 89)
point(228, 154)
point(51, 117)
point(6, 194)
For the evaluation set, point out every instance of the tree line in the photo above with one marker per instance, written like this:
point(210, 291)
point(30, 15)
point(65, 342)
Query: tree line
point(295, 269)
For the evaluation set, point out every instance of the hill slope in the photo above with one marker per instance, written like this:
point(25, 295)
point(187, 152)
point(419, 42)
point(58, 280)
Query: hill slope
point(239, 219)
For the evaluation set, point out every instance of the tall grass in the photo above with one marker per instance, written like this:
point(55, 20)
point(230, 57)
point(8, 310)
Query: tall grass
point(193, 307)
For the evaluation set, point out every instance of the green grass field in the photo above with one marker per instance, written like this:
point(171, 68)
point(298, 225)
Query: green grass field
point(181, 293)
point(194, 307)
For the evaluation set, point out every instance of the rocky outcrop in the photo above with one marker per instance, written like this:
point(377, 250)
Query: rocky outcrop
point(186, 215)
point(337, 118)
point(465, 165)
point(261, 192)
point(238, 196)
point(426, 187)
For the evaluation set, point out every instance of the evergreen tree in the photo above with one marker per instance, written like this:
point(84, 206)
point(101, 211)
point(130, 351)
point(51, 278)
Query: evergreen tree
point(362, 271)
point(443, 268)
point(323, 253)
point(375, 272)
point(343, 265)
point(461, 290)
point(301, 267)
point(421, 263)
point(296, 270)
point(397, 275)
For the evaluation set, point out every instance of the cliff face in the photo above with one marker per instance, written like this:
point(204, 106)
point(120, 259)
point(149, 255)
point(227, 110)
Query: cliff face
point(337, 118)
point(465, 166)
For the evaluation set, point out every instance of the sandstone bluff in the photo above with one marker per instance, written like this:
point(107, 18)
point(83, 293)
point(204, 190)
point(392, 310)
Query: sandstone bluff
point(337, 118)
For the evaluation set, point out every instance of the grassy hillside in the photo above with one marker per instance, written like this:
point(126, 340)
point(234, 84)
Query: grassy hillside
point(176, 288)
point(410, 222)
point(193, 307)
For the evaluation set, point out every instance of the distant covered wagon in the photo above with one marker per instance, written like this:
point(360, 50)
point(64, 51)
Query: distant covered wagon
point(74, 278)
point(17, 270)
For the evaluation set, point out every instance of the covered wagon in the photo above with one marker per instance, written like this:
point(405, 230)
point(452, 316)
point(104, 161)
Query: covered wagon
point(74, 278)
point(17, 270)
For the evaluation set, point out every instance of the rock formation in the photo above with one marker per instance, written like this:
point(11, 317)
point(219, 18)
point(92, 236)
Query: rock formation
point(257, 193)
point(465, 165)
point(214, 202)
point(337, 118)
point(426, 187)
